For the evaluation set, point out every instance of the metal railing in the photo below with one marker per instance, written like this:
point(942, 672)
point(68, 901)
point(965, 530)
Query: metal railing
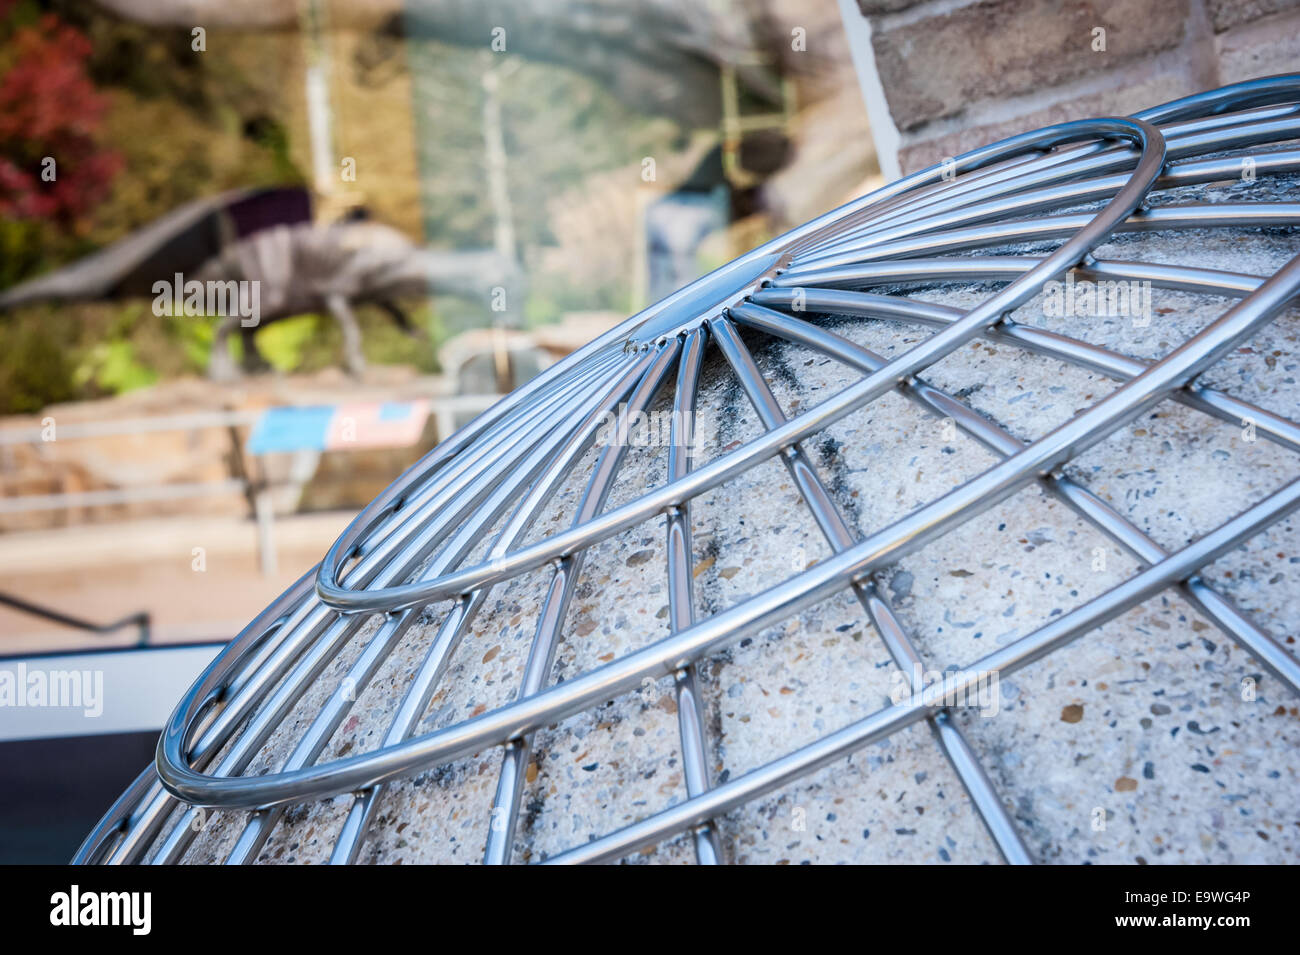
point(140, 619)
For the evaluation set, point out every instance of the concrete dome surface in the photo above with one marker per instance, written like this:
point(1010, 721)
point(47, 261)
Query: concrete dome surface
point(956, 526)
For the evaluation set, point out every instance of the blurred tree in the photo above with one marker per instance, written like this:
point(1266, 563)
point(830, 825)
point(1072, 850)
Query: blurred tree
point(36, 370)
point(51, 166)
point(561, 128)
point(100, 96)
point(53, 169)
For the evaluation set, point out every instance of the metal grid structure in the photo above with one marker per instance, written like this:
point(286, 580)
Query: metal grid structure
point(409, 548)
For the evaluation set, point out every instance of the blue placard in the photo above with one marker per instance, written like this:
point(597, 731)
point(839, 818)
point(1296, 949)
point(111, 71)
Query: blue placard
point(291, 429)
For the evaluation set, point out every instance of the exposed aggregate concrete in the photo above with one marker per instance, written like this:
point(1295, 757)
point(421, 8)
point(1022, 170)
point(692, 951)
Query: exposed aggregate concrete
point(1136, 743)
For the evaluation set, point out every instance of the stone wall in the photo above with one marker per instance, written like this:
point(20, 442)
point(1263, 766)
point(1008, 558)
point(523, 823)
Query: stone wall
point(955, 74)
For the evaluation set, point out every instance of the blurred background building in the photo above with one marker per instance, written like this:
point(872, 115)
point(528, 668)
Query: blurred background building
point(607, 152)
point(615, 151)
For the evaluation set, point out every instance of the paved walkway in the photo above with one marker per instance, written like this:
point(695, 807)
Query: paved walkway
point(107, 571)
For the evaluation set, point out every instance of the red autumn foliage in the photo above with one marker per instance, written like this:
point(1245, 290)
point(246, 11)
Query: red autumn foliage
point(49, 109)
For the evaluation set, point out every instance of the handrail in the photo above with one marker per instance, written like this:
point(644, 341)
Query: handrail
point(140, 619)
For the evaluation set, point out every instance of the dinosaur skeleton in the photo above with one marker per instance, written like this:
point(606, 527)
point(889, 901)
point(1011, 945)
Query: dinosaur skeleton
point(267, 237)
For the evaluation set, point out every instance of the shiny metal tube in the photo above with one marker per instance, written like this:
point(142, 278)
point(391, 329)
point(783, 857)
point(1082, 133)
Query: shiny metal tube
point(408, 549)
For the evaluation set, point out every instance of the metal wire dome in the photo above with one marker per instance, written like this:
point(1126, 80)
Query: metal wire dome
point(527, 648)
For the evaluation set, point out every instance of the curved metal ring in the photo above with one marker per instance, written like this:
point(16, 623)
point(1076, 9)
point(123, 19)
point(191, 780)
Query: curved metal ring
point(306, 621)
point(370, 768)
